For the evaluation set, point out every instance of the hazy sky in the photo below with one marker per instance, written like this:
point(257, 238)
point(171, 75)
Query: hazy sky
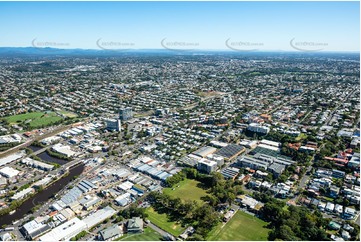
point(195, 25)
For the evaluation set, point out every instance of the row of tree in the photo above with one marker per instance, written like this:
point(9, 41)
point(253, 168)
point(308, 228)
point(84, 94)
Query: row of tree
point(293, 222)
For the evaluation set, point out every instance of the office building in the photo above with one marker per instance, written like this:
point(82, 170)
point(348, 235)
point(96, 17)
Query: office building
point(207, 166)
point(113, 124)
point(125, 114)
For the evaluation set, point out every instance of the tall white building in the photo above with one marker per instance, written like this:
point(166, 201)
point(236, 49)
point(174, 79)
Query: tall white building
point(257, 128)
point(207, 166)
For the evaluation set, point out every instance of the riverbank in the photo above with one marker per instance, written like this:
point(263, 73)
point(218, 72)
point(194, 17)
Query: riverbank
point(42, 196)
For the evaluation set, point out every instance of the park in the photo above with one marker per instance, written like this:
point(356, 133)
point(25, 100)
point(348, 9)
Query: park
point(242, 226)
point(34, 119)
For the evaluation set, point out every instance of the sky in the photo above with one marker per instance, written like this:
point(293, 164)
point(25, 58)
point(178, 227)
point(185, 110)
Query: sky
point(288, 26)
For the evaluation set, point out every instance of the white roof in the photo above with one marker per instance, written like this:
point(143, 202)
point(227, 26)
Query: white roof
point(99, 216)
point(126, 185)
point(65, 231)
point(271, 143)
point(22, 193)
point(9, 172)
point(11, 158)
point(145, 159)
point(63, 149)
point(269, 147)
point(33, 226)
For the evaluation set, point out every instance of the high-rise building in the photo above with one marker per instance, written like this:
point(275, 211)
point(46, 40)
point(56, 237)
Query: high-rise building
point(125, 114)
point(113, 124)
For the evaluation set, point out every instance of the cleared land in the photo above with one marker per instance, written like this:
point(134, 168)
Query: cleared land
point(34, 119)
point(163, 222)
point(148, 235)
point(242, 226)
point(187, 190)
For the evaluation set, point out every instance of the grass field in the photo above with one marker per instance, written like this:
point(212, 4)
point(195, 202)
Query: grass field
point(148, 235)
point(187, 190)
point(207, 94)
point(35, 119)
point(162, 221)
point(68, 114)
point(241, 227)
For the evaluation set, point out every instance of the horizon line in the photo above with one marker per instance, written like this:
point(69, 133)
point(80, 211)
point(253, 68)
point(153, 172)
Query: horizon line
point(179, 50)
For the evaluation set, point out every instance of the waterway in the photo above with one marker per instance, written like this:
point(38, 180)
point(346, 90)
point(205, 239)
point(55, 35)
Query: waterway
point(46, 157)
point(41, 197)
point(34, 148)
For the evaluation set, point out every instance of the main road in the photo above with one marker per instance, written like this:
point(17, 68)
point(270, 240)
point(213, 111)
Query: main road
point(36, 138)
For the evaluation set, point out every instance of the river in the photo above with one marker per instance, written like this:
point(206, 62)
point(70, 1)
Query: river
point(46, 157)
point(34, 148)
point(41, 197)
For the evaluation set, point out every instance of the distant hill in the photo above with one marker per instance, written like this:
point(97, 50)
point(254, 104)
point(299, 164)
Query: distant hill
point(47, 51)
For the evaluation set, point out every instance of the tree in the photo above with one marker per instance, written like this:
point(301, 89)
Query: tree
point(272, 212)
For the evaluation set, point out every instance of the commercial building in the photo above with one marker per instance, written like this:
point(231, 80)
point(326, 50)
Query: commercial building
point(204, 151)
point(207, 166)
point(257, 128)
point(37, 164)
point(125, 114)
point(230, 172)
point(270, 143)
point(65, 231)
point(9, 172)
point(99, 216)
point(113, 124)
point(22, 194)
point(63, 149)
point(217, 158)
point(43, 182)
point(90, 202)
point(34, 229)
point(51, 140)
point(123, 199)
point(11, 158)
point(247, 161)
point(276, 169)
point(231, 151)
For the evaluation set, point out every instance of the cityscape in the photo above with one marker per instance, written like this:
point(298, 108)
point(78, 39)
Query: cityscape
point(236, 141)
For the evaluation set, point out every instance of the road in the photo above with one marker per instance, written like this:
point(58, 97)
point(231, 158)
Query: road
point(304, 117)
point(159, 230)
point(336, 108)
point(36, 138)
point(279, 107)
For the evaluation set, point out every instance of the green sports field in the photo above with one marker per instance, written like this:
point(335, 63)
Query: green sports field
point(187, 190)
point(163, 222)
point(148, 235)
point(242, 226)
point(69, 114)
point(35, 119)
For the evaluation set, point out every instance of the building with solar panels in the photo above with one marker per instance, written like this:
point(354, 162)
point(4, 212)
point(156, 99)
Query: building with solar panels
point(231, 151)
point(230, 173)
